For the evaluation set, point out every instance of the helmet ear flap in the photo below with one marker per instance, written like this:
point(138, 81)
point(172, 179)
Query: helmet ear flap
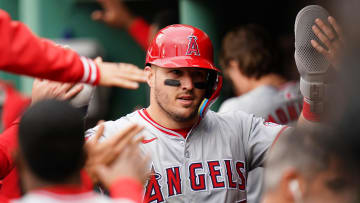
point(211, 83)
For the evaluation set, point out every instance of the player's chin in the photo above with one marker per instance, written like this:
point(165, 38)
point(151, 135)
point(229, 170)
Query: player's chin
point(187, 112)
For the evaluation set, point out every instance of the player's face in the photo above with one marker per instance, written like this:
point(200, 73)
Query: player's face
point(177, 91)
point(330, 185)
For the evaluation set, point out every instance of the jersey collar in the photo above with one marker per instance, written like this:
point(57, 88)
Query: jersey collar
point(144, 114)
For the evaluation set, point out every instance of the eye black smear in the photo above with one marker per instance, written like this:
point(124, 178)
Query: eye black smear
point(170, 82)
point(176, 83)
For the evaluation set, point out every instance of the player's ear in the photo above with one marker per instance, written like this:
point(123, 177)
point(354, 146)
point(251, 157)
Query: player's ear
point(150, 75)
point(291, 185)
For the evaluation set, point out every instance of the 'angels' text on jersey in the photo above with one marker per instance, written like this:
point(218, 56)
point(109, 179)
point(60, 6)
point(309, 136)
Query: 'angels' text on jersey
point(222, 174)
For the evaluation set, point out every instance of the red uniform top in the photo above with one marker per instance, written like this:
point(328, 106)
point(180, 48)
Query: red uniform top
point(22, 52)
point(15, 103)
point(140, 31)
point(8, 142)
point(123, 190)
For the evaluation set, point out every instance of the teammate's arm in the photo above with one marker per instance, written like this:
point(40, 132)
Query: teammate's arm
point(22, 52)
point(116, 14)
point(8, 143)
point(332, 39)
point(117, 163)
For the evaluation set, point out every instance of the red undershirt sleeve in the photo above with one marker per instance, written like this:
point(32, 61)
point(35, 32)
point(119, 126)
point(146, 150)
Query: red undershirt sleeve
point(140, 31)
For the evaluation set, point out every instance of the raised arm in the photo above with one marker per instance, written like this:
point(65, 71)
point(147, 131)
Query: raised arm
point(317, 53)
point(22, 52)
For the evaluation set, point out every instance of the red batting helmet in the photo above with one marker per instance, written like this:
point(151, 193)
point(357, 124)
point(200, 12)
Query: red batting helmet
point(179, 46)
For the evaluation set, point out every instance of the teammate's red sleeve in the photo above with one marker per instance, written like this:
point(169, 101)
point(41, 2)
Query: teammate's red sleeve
point(8, 142)
point(22, 52)
point(14, 105)
point(127, 188)
point(4, 199)
point(140, 30)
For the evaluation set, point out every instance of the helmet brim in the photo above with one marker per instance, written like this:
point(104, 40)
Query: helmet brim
point(184, 61)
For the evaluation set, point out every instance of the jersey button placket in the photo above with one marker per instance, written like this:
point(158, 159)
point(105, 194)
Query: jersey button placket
point(187, 154)
point(186, 150)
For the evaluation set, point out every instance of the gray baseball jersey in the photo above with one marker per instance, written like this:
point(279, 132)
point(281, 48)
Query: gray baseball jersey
point(210, 165)
point(276, 105)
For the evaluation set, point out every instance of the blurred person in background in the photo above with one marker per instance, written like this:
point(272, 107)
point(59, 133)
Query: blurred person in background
point(52, 152)
point(313, 166)
point(250, 59)
point(116, 14)
point(78, 95)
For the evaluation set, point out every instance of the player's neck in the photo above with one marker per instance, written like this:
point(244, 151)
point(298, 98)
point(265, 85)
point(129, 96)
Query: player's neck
point(253, 83)
point(270, 79)
point(162, 118)
point(30, 182)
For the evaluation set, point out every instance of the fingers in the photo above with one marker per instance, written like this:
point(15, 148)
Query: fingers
point(336, 27)
point(127, 139)
point(98, 59)
point(327, 30)
point(321, 36)
point(97, 15)
point(63, 88)
point(133, 76)
point(99, 132)
point(124, 141)
point(123, 83)
point(74, 91)
point(115, 140)
point(121, 75)
point(102, 173)
point(138, 140)
point(319, 48)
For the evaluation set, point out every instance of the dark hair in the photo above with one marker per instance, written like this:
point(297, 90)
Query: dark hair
point(253, 48)
point(51, 139)
point(165, 18)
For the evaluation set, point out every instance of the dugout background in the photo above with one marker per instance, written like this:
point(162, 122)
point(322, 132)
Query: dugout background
point(59, 18)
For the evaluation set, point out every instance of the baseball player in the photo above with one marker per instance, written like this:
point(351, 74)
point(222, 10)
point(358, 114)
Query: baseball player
point(50, 159)
point(250, 62)
point(197, 155)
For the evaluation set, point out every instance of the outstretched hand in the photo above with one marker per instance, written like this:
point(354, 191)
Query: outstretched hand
point(46, 89)
point(332, 41)
point(105, 153)
point(114, 13)
point(130, 163)
point(122, 75)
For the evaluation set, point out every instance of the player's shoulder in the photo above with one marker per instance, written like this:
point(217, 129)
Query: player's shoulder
point(291, 87)
point(231, 117)
point(113, 126)
point(248, 101)
point(229, 104)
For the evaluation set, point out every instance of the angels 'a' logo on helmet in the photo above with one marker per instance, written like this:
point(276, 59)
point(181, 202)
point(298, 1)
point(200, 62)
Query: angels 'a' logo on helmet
point(192, 46)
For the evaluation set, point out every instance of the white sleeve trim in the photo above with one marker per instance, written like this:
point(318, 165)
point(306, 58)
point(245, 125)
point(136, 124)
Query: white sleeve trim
point(86, 69)
point(93, 72)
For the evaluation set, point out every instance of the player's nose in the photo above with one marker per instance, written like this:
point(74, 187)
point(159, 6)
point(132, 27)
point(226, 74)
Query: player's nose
point(187, 82)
